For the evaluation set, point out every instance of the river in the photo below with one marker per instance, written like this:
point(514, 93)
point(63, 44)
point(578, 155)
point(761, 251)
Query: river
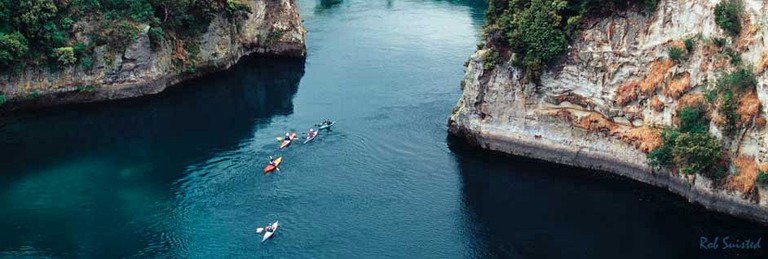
point(179, 174)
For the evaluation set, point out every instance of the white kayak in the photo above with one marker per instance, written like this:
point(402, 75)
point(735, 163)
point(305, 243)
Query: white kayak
point(268, 234)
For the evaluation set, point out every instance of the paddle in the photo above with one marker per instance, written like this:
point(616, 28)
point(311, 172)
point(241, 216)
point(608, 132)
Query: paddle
point(259, 230)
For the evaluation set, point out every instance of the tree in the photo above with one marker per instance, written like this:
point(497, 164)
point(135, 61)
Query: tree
point(66, 55)
point(12, 47)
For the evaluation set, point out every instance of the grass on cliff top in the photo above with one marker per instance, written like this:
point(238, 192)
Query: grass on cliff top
point(538, 31)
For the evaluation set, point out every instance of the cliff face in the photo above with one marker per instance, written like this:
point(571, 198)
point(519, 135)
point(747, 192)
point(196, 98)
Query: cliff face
point(604, 105)
point(272, 28)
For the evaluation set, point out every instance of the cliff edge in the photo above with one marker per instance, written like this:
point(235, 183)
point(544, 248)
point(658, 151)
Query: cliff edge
point(618, 92)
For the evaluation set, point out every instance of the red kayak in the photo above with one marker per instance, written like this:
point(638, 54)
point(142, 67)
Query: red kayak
point(270, 168)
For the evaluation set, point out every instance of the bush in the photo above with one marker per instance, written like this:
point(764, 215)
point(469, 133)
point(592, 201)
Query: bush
point(735, 56)
point(238, 6)
point(719, 42)
point(689, 45)
point(2, 99)
point(156, 37)
point(675, 54)
point(727, 16)
point(491, 59)
point(87, 62)
point(13, 47)
point(739, 80)
point(689, 147)
point(762, 178)
point(697, 153)
point(693, 119)
point(66, 55)
point(727, 109)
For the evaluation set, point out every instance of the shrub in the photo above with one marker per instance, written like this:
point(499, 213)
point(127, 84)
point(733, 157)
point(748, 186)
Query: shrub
point(719, 42)
point(675, 54)
point(66, 55)
point(689, 45)
point(689, 147)
point(237, 6)
point(728, 110)
point(156, 37)
point(762, 178)
point(491, 59)
point(739, 80)
point(694, 119)
point(735, 56)
point(2, 99)
point(727, 16)
point(697, 153)
point(87, 62)
point(13, 47)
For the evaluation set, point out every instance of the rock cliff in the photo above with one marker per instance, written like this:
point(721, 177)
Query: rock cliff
point(604, 105)
point(271, 28)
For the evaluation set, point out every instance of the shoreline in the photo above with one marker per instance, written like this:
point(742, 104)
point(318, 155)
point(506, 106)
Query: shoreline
point(515, 144)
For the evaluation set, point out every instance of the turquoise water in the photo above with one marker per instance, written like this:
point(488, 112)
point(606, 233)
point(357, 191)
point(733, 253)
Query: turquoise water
point(179, 174)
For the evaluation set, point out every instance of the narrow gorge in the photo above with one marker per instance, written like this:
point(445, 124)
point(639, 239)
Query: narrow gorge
point(646, 93)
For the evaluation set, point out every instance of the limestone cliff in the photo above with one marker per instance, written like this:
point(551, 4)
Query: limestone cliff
point(604, 105)
point(273, 27)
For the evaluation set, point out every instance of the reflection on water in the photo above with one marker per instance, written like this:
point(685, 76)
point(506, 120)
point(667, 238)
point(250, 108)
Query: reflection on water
point(129, 152)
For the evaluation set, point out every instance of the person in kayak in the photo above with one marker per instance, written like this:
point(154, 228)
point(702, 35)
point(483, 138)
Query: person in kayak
point(287, 136)
point(327, 122)
point(271, 161)
point(312, 133)
point(269, 228)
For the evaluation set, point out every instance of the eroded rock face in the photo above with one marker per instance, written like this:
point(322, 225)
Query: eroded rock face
point(141, 70)
point(605, 104)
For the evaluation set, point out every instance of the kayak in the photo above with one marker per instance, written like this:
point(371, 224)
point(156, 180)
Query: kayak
point(285, 143)
point(310, 139)
point(269, 168)
point(268, 234)
point(327, 126)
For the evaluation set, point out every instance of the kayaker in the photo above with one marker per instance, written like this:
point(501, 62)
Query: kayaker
point(269, 228)
point(327, 122)
point(312, 133)
point(271, 161)
point(287, 136)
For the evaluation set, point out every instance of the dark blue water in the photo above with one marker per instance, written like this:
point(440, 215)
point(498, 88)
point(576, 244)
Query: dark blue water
point(179, 174)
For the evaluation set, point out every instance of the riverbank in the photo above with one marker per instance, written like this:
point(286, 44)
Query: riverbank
point(271, 28)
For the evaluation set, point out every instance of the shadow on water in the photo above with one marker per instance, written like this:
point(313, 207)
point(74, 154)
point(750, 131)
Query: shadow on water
point(128, 151)
point(325, 5)
point(582, 213)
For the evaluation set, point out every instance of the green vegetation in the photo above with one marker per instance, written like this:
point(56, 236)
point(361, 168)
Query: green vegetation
point(689, 44)
point(538, 31)
point(719, 42)
point(66, 55)
point(734, 56)
point(491, 59)
point(726, 89)
point(689, 148)
point(2, 99)
point(762, 178)
point(42, 32)
point(675, 54)
point(727, 16)
point(238, 6)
